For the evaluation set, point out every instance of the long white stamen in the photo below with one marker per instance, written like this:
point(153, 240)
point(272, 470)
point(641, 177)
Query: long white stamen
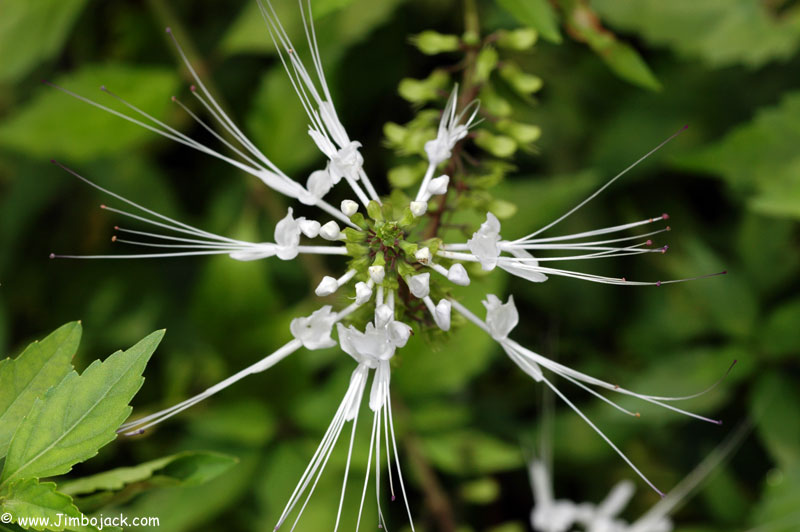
point(265, 363)
point(605, 186)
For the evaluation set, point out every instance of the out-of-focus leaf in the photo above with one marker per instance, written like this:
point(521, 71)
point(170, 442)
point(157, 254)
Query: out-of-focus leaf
point(54, 124)
point(40, 501)
point(349, 22)
point(760, 159)
point(721, 32)
point(780, 337)
point(80, 415)
point(538, 14)
point(41, 366)
point(31, 32)
point(187, 508)
point(470, 452)
point(277, 121)
point(481, 491)
point(777, 511)
point(189, 468)
point(622, 58)
point(774, 406)
point(243, 422)
point(767, 251)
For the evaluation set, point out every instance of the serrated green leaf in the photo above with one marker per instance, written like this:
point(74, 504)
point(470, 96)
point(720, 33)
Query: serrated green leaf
point(54, 124)
point(41, 366)
point(538, 14)
point(721, 32)
point(39, 503)
point(760, 159)
point(80, 415)
point(31, 32)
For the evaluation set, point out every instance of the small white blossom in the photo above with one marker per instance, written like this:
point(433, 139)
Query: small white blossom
point(330, 231)
point(319, 183)
point(310, 228)
point(457, 274)
point(369, 347)
point(418, 208)
point(363, 293)
point(438, 185)
point(483, 243)
point(423, 255)
point(420, 284)
point(501, 318)
point(377, 273)
point(349, 207)
point(326, 286)
point(314, 331)
point(442, 314)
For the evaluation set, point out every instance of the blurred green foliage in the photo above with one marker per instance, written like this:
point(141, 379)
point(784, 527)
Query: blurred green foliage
point(466, 416)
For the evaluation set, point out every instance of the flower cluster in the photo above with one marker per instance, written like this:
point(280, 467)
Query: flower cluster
point(405, 279)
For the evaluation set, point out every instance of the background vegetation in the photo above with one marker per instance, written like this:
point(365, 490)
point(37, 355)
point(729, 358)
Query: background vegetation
point(731, 185)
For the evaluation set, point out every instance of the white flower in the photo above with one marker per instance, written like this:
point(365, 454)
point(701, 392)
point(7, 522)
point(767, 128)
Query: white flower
point(501, 318)
point(349, 207)
point(483, 243)
point(420, 284)
point(314, 331)
point(287, 237)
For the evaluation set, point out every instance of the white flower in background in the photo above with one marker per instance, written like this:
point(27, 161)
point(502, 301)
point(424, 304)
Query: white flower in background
point(562, 515)
point(384, 255)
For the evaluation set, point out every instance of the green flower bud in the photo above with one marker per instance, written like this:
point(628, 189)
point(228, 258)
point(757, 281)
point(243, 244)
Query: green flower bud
point(520, 39)
point(522, 133)
point(522, 82)
point(495, 104)
point(423, 90)
point(374, 211)
point(485, 63)
point(353, 235)
point(432, 43)
point(498, 145)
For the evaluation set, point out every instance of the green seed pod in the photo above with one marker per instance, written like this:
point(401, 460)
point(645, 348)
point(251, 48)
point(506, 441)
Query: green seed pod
point(498, 145)
point(520, 39)
point(522, 82)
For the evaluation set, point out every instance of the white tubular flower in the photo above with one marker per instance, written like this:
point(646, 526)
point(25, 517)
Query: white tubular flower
point(420, 284)
point(349, 207)
point(483, 243)
point(346, 162)
point(457, 274)
point(318, 185)
point(383, 315)
point(310, 228)
point(443, 309)
point(438, 185)
point(314, 331)
point(418, 208)
point(452, 128)
point(330, 231)
point(377, 274)
point(363, 293)
point(368, 347)
point(501, 318)
point(423, 255)
point(287, 237)
point(326, 286)
point(399, 333)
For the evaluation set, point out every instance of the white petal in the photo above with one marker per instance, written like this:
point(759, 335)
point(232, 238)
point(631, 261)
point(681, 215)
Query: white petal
point(457, 274)
point(500, 318)
point(310, 228)
point(443, 314)
point(418, 208)
point(363, 292)
point(349, 207)
point(399, 333)
point(423, 255)
point(383, 315)
point(420, 284)
point(327, 286)
point(319, 183)
point(330, 231)
point(438, 185)
point(377, 273)
point(315, 331)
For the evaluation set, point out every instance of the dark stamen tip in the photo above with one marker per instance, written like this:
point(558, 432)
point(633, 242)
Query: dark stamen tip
point(169, 30)
point(723, 272)
point(658, 283)
point(172, 98)
point(648, 243)
point(52, 255)
point(685, 127)
point(637, 414)
point(103, 88)
point(665, 216)
point(192, 88)
point(668, 228)
point(114, 238)
point(53, 161)
point(103, 206)
point(116, 228)
point(624, 280)
point(718, 421)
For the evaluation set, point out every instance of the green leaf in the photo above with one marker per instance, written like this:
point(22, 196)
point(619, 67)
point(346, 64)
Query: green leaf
point(779, 335)
point(54, 124)
point(722, 33)
point(188, 468)
point(79, 416)
point(538, 14)
point(774, 406)
point(41, 366)
point(469, 452)
point(760, 159)
point(31, 32)
point(27, 498)
point(622, 58)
